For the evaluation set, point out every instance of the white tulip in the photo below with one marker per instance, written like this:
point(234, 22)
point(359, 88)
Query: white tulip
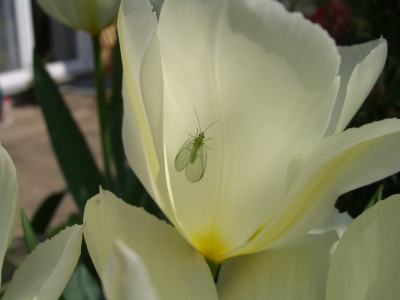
point(282, 93)
point(88, 15)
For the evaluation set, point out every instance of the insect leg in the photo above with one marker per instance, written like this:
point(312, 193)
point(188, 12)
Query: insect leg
point(206, 146)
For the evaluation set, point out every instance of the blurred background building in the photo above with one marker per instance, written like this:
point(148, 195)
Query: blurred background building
point(22, 26)
point(67, 52)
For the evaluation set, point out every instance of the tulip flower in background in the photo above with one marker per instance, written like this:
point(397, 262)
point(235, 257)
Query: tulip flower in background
point(90, 15)
point(282, 93)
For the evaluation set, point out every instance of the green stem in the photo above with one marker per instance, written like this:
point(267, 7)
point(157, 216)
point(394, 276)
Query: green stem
point(101, 110)
point(213, 267)
point(293, 5)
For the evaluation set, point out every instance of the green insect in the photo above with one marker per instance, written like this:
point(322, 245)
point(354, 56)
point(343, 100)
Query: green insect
point(193, 155)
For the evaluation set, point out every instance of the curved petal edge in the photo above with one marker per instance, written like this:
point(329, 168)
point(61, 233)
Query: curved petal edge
point(46, 271)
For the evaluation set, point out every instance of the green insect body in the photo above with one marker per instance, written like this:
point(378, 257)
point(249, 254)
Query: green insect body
point(197, 144)
point(192, 157)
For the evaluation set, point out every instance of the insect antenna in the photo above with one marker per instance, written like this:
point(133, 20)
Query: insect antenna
point(197, 119)
point(210, 125)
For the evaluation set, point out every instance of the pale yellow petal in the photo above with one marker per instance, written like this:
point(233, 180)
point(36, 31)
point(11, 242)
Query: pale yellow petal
point(135, 149)
point(270, 79)
point(360, 67)
point(296, 271)
point(126, 277)
point(45, 272)
point(9, 199)
point(140, 160)
point(366, 263)
point(143, 98)
point(175, 268)
point(322, 173)
point(137, 27)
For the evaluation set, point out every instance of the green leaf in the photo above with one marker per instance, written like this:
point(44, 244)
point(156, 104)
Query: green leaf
point(43, 215)
point(377, 196)
point(82, 286)
point(87, 261)
point(115, 115)
point(30, 236)
point(73, 154)
point(152, 208)
point(138, 196)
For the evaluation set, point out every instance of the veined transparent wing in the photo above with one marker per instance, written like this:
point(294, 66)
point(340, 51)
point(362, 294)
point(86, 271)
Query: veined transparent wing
point(183, 156)
point(195, 171)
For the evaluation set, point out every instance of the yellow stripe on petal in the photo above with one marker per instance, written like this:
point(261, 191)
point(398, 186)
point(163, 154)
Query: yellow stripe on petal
point(310, 200)
point(318, 185)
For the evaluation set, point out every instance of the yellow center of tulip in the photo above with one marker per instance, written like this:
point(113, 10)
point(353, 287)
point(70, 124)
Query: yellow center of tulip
point(211, 246)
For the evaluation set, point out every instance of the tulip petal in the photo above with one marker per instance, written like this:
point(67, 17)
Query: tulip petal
point(140, 160)
point(360, 67)
point(137, 26)
point(366, 263)
point(88, 15)
point(126, 277)
point(175, 268)
point(322, 173)
point(336, 221)
point(46, 271)
point(259, 71)
point(296, 271)
point(9, 199)
point(135, 149)
point(143, 97)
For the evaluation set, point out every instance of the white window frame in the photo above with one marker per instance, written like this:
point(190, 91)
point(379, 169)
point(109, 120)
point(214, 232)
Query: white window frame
point(16, 81)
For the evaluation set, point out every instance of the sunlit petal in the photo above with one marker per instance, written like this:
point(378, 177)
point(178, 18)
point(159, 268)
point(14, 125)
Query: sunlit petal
point(366, 263)
point(326, 170)
point(360, 67)
point(126, 277)
point(137, 27)
point(259, 71)
point(46, 271)
point(143, 98)
point(175, 268)
point(296, 271)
